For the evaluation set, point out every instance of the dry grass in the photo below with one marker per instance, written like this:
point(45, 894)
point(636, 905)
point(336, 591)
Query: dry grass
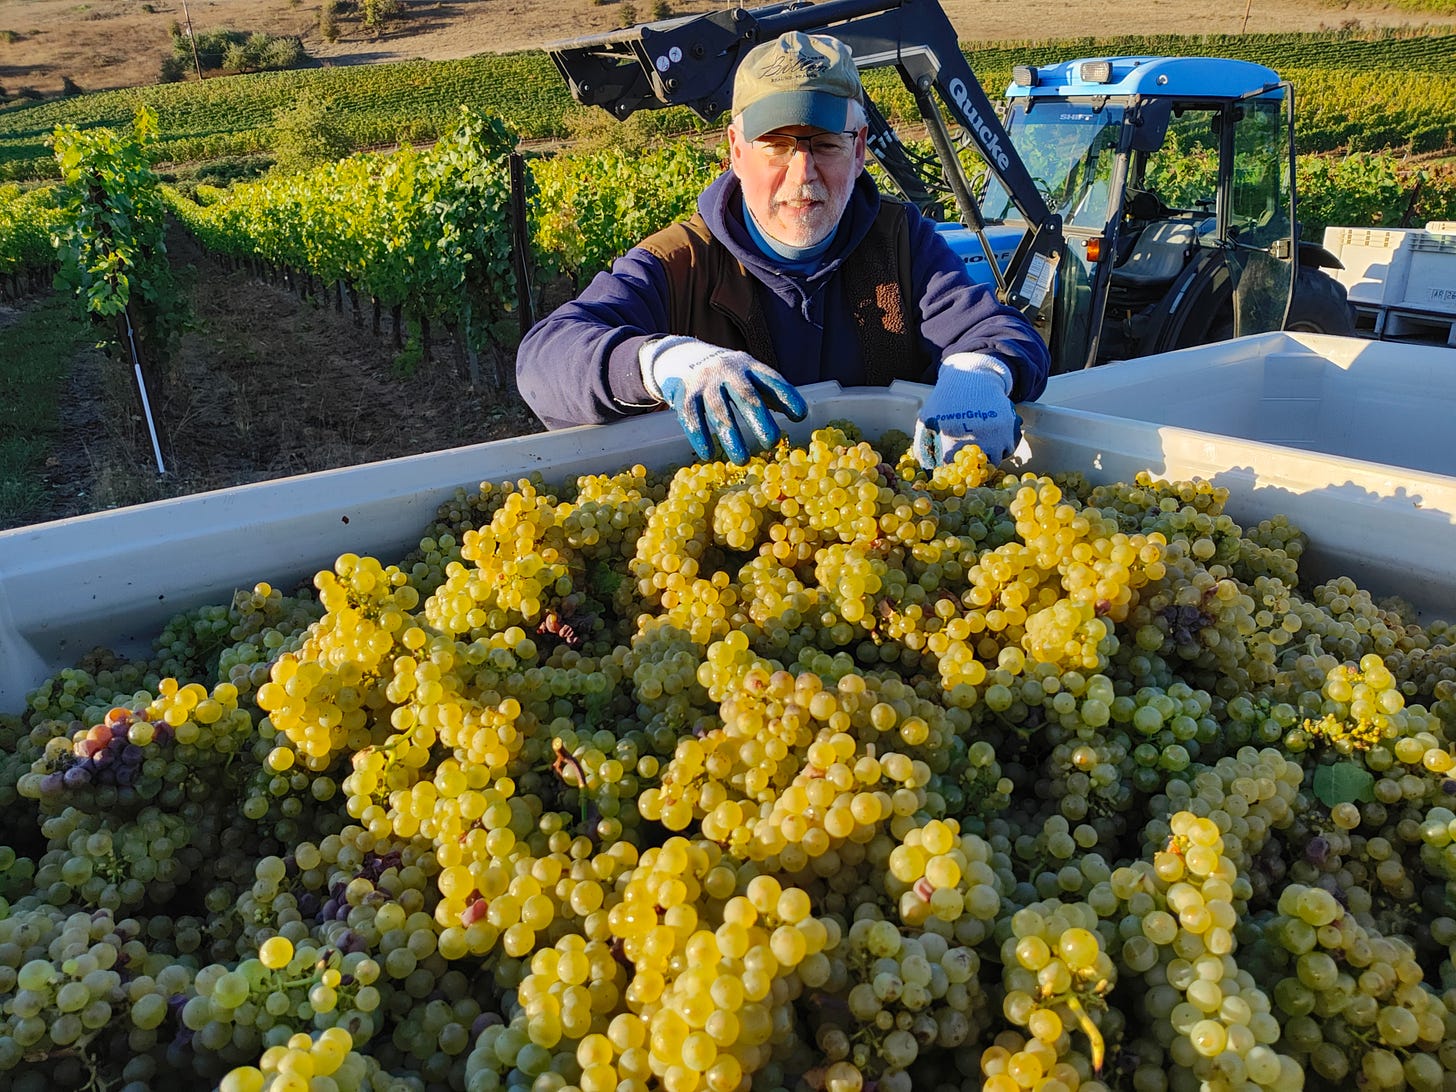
point(101, 44)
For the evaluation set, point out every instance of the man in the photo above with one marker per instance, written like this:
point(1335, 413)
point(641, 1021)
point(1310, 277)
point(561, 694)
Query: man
point(794, 270)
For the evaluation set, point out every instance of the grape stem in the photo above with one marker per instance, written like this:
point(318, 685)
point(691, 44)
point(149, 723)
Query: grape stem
point(565, 758)
point(1094, 1036)
point(288, 984)
point(75, 1050)
point(95, 1082)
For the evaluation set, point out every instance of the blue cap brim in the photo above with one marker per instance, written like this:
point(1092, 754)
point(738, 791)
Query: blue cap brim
point(777, 111)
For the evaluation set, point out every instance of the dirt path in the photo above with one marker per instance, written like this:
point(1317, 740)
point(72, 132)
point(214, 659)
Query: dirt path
point(121, 43)
point(265, 385)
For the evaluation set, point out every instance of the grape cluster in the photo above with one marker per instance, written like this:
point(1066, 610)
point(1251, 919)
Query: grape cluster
point(1056, 977)
point(1352, 1003)
point(161, 750)
point(1361, 707)
point(66, 982)
point(321, 695)
point(911, 992)
point(938, 871)
point(305, 1061)
point(116, 865)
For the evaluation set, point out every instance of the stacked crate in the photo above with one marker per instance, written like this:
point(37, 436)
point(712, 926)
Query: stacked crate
point(1401, 281)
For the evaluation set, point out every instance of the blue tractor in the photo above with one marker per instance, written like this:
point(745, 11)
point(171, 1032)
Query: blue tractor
point(1128, 205)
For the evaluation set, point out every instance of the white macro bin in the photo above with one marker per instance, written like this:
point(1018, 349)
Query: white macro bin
point(1371, 401)
point(114, 578)
point(1430, 282)
point(1351, 439)
point(1376, 262)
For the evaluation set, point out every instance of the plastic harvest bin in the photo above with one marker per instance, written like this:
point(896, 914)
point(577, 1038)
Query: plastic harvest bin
point(1430, 282)
point(113, 578)
point(1376, 261)
point(1372, 401)
point(1351, 439)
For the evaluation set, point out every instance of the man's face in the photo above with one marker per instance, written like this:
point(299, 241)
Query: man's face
point(796, 194)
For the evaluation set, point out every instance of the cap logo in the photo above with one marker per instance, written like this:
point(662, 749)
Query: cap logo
point(804, 65)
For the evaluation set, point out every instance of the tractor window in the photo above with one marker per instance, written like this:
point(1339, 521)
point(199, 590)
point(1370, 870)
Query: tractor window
point(1070, 150)
point(1259, 204)
point(1260, 196)
point(1183, 173)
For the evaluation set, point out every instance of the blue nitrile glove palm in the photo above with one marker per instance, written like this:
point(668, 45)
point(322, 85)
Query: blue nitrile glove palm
point(970, 404)
point(716, 392)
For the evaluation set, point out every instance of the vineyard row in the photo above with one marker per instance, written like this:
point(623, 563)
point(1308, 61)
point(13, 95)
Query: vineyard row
point(429, 233)
point(1405, 81)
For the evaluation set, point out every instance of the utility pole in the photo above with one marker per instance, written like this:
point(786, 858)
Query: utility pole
point(192, 38)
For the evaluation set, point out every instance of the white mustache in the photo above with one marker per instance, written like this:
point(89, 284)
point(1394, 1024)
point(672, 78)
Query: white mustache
point(810, 192)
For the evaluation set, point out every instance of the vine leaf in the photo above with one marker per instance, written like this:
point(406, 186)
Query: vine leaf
point(1343, 783)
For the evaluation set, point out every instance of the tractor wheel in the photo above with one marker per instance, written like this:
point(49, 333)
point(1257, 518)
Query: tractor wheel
point(1320, 305)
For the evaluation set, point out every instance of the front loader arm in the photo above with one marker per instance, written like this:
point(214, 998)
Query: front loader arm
point(690, 61)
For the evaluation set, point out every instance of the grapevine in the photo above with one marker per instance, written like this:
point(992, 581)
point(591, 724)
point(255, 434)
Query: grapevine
point(110, 236)
point(423, 231)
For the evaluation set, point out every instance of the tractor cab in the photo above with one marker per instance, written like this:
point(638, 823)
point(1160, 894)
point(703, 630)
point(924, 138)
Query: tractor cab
point(1171, 177)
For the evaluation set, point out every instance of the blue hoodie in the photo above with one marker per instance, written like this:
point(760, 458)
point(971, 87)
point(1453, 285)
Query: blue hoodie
point(579, 364)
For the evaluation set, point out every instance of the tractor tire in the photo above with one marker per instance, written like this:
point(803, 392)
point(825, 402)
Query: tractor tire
point(1320, 305)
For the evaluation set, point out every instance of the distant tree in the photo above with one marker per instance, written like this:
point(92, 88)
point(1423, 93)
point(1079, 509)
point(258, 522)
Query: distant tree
point(305, 135)
point(329, 20)
point(235, 58)
point(173, 70)
point(281, 53)
point(376, 13)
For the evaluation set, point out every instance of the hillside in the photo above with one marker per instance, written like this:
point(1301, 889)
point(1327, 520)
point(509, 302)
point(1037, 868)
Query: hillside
point(105, 44)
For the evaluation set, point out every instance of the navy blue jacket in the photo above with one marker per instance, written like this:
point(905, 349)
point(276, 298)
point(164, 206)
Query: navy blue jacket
point(579, 364)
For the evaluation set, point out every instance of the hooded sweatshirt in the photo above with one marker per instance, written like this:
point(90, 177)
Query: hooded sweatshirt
point(579, 365)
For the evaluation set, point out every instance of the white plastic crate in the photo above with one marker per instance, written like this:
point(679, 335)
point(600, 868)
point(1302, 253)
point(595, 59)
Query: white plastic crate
point(113, 578)
point(1373, 401)
point(1417, 326)
point(1376, 261)
point(1350, 438)
point(1430, 282)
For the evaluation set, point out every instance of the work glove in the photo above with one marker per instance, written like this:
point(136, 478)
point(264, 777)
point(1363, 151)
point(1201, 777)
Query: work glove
point(970, 404)
point(716, 392)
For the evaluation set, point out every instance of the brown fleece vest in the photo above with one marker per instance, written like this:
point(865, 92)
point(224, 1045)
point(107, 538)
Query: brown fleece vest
point(712, 297)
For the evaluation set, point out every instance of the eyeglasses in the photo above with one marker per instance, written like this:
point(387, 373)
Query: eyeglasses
point(825, 147)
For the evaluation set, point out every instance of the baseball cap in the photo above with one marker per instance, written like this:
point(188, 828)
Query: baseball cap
point(797, 79)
